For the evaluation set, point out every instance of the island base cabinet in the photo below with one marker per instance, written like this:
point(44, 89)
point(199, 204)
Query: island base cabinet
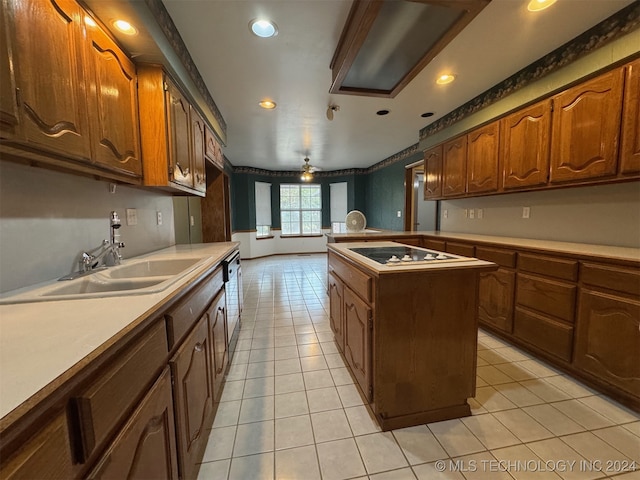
point(358, 322)
point(608, 339)
point(146, 447)
point(193, 396)
point(336, 317)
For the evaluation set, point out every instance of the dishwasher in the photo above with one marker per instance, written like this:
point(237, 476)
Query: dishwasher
point(232, 276)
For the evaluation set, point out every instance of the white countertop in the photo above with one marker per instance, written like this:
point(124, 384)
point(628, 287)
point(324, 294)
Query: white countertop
point(603, 251)
point(41, 341)
point(460, 262)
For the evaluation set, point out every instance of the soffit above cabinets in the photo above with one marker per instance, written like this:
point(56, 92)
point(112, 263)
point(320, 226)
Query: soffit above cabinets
point(386, 43)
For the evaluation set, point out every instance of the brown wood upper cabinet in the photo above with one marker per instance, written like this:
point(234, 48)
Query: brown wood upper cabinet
point(213, 150)
point(433, 173)
point(630, 146)
point(482, 159)
point(586, 129)
point(172, 134)
point(113, 104)
point(525, 142)
point(79, 103)
point(454, 167)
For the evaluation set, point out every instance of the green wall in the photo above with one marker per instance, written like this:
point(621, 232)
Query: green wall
point(243, 197)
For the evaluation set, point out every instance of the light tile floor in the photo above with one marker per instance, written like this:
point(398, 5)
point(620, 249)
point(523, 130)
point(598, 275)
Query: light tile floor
point(290, 409)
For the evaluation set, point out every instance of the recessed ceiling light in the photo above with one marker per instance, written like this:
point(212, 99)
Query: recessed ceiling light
point(263, 28)
point(445, 78)
point(537, 5)
point(382, 112)
point(125, 27)
point(267, 104)
point(427, 114)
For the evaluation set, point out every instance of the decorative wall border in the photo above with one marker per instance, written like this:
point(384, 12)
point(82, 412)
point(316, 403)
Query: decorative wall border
point(294, 173)
point(616, 26)
point(161, 15)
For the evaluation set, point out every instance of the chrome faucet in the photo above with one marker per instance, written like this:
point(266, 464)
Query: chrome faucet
point(107, 254)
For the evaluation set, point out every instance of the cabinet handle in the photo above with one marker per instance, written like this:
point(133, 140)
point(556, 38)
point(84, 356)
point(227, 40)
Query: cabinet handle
point(198, 347)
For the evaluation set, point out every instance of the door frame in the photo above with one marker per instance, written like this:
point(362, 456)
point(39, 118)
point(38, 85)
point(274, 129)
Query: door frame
point(410, 199)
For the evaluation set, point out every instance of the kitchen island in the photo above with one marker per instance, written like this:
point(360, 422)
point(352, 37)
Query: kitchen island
point(407, 329)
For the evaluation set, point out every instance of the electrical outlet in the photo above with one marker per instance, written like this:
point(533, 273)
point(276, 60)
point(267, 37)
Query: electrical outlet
point(192, 221)
point(480, 213)
point(132, 216)
point(472, 213)
point(159, 217)
point(526, 212)
point(399, 213)
point(445, 213)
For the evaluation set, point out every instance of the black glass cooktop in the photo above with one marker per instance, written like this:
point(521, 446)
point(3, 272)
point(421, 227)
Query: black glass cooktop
point(384, 254)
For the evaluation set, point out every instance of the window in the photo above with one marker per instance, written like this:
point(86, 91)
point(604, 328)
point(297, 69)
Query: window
point(338, 201)
point(300, 209)
point(263, 209)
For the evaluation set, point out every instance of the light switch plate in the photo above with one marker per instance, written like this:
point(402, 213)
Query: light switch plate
point(159, 217)
point(480, 213)
point(472, 213)
point(526, 212)
point(132, 216)
point(445, 213)
point(399, 213)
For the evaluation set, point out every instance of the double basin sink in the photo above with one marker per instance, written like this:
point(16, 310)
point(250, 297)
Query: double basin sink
point(132, 278)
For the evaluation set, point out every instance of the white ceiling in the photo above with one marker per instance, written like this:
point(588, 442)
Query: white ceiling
point(292, 69)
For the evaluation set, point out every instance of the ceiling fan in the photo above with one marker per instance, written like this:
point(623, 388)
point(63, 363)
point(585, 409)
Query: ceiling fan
point(307, 170)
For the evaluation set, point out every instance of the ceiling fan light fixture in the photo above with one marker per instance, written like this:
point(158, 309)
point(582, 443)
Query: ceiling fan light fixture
point(307, 174)
point(263, 28)
point(537, 5)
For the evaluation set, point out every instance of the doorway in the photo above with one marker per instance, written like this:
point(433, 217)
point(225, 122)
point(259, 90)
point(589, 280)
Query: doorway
point(421, 214)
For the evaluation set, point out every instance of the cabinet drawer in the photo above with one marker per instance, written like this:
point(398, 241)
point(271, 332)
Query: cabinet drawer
point(504, 258)
point(460, 249)
point(438, 245)
point(181, 318)
point(103, 404)
point(547, 296)
point(551, 266)
point(358, 281)
point(614, 278)
point(45, 455)
point(415, 241)
point(146, 446)
point(543, 332)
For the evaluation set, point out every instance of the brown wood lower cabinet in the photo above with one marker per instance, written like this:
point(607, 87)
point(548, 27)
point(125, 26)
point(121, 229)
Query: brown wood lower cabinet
point(193, 396)
point(218, 341)
point(608, 339)
point(358, 323)
point(146, 447)
point(495, 299)
point(336, 316)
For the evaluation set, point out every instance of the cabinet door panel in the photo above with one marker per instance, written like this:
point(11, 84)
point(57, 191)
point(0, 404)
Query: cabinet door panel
point(608, 339)
point(454, 167)
point(630, 146)
point(9, 115)
point(219, 341)
point(50, 77)
point(586, 129)
point(146, 447)
point(197, 150)
point(357, 339)
point(179, 137)
point(433, 173)
point(114, 105)
point(525, 143)
point(336, 297)
point(495, 305)
point(482, 159)
point(193, 396)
